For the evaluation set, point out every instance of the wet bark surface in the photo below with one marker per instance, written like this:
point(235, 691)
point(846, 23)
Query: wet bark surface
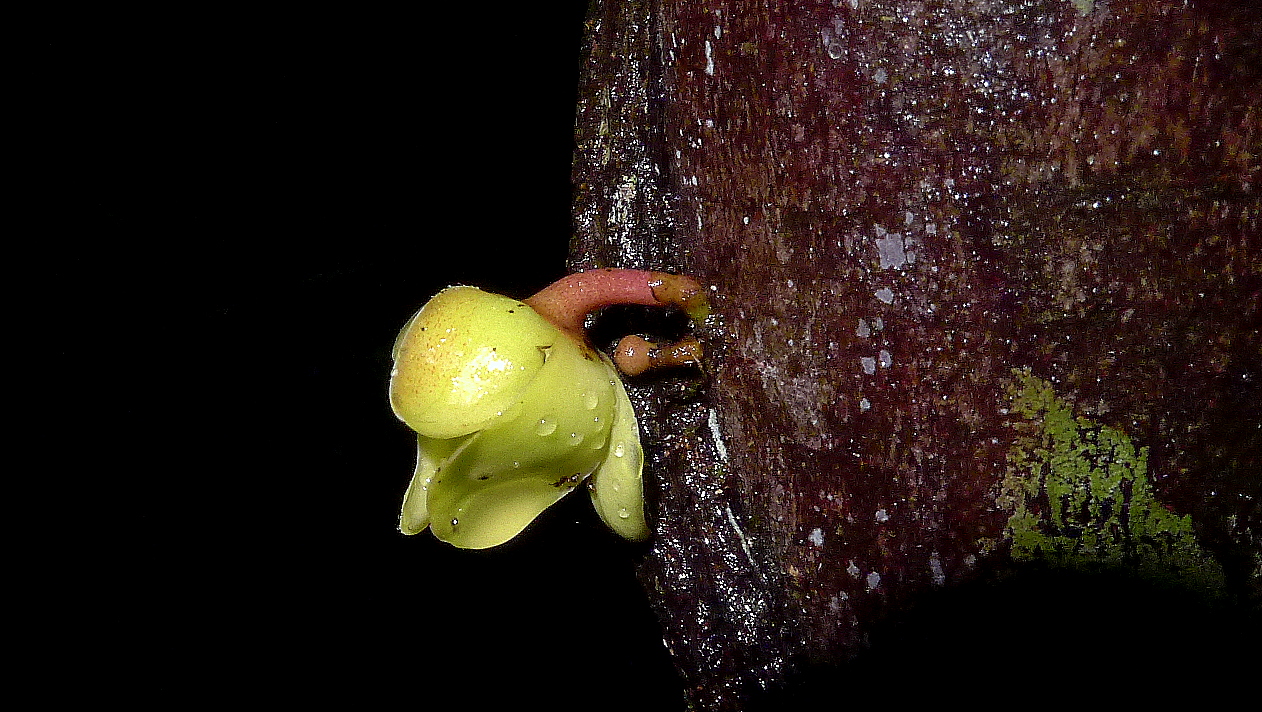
point(906, 212)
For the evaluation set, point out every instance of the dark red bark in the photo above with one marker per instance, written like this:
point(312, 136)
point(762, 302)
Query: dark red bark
point(898, 205)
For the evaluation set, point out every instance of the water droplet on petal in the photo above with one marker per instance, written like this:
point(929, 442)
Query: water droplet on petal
point(591, 400)
point(619, 450)
point(575, 439)
point(546, 427)
point(623, 513)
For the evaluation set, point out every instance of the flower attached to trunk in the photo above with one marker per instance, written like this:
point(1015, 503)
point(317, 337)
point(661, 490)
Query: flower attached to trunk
point(513, 408)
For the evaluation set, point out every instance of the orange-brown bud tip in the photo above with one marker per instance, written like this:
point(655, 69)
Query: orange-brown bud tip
point(633, 355)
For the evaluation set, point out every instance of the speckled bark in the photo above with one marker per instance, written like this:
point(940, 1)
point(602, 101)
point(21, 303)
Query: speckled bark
point(898, 204)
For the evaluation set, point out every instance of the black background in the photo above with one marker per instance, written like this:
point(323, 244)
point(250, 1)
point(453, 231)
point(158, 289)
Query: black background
point(238, 213)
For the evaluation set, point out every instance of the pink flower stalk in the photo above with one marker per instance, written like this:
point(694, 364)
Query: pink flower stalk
point(568, 301)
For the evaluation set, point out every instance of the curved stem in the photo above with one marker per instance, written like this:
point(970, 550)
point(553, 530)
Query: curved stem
point(568, 301)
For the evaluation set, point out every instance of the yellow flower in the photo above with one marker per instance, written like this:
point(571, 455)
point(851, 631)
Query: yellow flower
point(511, 415)
point(513, 410)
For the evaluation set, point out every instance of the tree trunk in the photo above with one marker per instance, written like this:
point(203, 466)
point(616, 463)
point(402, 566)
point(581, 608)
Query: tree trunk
point(986, 284)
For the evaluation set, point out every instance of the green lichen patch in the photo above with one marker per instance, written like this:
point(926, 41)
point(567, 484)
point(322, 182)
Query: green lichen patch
point(1079, 496)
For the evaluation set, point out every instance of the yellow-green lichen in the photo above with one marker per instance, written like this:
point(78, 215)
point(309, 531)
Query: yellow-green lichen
point(1079, 496)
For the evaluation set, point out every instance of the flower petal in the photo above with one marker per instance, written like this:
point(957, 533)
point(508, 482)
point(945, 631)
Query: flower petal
point(429, 455)
point(618, 484)
point(529, 457)
point(464, 357)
